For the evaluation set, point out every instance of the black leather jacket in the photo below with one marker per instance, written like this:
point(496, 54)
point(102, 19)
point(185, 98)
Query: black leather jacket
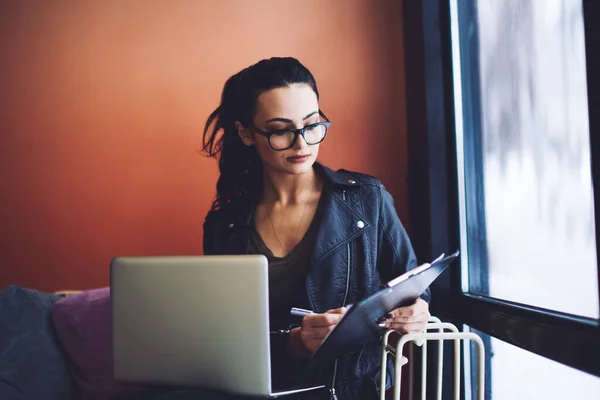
point(359, 244)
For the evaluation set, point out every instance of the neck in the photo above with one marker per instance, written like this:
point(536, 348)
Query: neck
point(289, 189)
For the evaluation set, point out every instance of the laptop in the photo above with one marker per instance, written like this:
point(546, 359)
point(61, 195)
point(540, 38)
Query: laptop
point(193, 321)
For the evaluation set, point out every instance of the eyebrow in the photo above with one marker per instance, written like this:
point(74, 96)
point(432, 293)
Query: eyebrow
point(289, 121)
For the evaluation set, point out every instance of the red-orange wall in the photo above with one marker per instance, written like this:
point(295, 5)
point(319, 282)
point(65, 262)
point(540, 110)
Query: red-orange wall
point(102, 105)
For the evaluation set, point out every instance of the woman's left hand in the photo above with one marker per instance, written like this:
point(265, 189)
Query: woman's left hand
point(409, 319)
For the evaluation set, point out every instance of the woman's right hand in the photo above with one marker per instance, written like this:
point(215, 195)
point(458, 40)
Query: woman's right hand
point(315, 327)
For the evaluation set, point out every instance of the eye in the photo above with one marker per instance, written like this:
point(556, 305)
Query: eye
point(282, 132)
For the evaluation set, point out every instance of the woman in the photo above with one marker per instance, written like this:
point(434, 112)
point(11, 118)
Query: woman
point(331, 237)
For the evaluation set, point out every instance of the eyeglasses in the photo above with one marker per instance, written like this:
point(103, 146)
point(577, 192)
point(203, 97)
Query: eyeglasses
point(283, 139)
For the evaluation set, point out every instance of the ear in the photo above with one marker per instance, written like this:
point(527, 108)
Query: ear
point(245, 134)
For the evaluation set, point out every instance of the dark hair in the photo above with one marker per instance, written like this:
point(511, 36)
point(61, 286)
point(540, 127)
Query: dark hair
point(239, 165)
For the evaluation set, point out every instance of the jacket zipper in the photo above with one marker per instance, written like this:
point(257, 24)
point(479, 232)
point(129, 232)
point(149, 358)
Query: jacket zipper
point(335, 366)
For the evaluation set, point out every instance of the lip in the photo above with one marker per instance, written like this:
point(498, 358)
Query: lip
point(299, 159)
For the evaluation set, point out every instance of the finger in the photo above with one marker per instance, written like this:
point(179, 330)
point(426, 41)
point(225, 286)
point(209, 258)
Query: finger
point(316, 333)
point(424, 316)
point(412, 310)
point(341, 310)
point(421, 304)
point(328, 319)
point(320, 320)
point(403, 312)
point(421, 318)
point(406, 312)
point(407, 328)
point(407, 320)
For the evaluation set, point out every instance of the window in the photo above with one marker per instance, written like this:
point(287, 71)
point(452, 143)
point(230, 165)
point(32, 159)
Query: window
point(503, 117)
point(515, 377)
point(525, 189)
point(527, 194)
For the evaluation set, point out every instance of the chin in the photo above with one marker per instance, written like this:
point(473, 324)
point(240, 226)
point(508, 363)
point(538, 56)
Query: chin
point(297, 169)
point(301, 169)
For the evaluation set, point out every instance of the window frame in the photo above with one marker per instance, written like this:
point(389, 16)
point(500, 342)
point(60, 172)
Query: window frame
point(434, 222)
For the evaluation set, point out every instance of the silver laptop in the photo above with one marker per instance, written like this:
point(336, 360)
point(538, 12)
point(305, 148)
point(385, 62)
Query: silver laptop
point(194, 321)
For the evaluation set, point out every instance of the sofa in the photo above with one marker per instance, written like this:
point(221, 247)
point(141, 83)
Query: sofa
point(57, 346)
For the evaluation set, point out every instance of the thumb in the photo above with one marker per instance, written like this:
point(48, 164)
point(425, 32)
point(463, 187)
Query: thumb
point(341, 310)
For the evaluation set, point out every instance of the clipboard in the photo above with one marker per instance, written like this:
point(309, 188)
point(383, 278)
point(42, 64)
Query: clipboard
point(359, 326)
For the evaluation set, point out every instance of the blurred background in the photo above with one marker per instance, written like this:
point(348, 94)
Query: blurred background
point(103, 104)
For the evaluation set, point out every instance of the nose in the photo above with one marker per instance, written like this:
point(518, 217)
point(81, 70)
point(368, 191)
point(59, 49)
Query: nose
point(300, 143)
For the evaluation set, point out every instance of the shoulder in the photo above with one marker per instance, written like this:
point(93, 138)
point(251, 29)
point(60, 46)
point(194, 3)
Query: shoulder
point(213, 222)
point(371, 190)
point(219, 218)
point(213, 216)
point(360, 178)
point(238, 213)
point(347, 178)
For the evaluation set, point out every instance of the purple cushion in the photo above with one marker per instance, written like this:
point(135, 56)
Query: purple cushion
point(83, 325)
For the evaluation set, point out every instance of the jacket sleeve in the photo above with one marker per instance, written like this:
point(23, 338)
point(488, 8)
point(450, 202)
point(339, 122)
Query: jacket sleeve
point(210, 234)
point(395, 253)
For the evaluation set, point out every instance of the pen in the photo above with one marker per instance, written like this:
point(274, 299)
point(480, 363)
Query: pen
point(301, 312)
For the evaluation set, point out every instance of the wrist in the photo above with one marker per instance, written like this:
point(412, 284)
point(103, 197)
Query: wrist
point(295, 345)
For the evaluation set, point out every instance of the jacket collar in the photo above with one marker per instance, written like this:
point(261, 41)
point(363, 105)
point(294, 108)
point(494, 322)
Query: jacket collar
point(338, 178)
point(342, 219)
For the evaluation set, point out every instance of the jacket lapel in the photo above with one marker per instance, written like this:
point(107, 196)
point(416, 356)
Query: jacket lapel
point(340, 224)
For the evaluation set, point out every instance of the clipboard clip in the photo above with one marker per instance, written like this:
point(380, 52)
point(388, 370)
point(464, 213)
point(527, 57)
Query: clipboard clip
point(412, 272)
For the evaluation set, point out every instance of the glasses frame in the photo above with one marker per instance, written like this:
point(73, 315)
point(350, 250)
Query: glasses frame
point(297, 133)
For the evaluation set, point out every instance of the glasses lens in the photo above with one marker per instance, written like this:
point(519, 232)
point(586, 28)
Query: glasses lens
point(315, 134)
point(282, 140)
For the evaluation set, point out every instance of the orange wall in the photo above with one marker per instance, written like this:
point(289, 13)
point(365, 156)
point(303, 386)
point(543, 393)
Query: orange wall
point(102, 106)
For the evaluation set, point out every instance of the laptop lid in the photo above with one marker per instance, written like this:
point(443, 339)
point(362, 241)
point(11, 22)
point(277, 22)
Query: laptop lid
point(198, 321)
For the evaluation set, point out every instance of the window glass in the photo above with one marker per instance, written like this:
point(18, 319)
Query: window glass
point(528, 224)
point(520, 374)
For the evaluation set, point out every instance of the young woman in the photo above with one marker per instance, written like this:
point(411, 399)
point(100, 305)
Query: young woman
point(331, 237)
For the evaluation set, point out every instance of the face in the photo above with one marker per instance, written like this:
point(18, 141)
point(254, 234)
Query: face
point(295, 107)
